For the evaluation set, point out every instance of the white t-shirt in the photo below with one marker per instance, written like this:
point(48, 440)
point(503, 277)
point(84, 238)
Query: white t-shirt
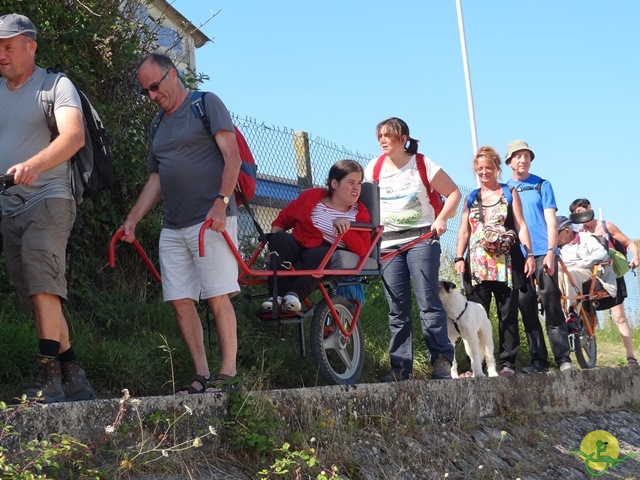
point(404, 202)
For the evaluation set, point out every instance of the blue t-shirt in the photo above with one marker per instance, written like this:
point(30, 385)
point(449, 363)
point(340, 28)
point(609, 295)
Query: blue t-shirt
point(533, 206)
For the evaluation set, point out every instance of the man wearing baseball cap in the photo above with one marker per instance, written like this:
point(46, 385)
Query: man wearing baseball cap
point(39, 210)
point(539, 209)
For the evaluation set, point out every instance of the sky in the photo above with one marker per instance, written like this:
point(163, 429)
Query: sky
point(562, 75)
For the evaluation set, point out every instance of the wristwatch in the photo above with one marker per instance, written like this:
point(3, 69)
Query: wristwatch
point(223, 198)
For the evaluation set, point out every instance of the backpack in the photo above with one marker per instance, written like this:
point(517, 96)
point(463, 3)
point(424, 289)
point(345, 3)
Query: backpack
point(92, 165)
point(246, 186)
point(436, 200)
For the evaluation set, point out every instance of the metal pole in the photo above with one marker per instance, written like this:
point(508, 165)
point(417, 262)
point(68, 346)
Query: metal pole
point(467, 78)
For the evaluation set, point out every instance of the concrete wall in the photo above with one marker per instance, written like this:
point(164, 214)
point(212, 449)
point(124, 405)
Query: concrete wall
point(586, 391)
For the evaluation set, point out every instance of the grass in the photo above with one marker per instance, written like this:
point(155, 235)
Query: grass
point(118, 335)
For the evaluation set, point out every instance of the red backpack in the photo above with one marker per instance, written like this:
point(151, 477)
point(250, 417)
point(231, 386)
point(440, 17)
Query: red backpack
point(436, 200)
point(246, 187)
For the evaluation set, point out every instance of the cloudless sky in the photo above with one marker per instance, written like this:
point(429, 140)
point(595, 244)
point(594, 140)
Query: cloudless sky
point(562, 75)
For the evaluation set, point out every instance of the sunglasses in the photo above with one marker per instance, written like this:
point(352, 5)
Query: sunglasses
point(154, 86)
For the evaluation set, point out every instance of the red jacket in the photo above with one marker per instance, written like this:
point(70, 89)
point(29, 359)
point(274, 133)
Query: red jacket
point(297, 216)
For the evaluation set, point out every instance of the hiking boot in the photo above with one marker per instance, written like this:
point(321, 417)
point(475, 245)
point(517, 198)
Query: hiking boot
point(75, 384)
point(291, 303)
point(394, 376)
point(441, 369)
point(566, 367)
point(46, 385)
point(535, 367)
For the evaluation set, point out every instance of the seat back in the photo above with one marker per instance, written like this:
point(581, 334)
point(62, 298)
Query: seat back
point(370, 196)
point(343, 259)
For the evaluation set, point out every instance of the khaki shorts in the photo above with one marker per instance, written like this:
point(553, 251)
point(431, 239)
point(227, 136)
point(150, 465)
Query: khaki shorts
point(35, 248)
point(187, 275)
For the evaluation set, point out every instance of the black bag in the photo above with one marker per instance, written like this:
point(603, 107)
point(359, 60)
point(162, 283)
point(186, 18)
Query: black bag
point(92, 165)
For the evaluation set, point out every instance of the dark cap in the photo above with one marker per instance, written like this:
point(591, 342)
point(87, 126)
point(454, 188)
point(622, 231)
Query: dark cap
point(563, 222)
point(14, 24)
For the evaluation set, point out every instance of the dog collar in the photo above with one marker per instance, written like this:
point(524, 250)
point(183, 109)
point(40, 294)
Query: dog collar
point(455, 322)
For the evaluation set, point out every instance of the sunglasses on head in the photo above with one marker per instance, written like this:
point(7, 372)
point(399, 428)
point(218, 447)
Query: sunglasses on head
point(155, 85)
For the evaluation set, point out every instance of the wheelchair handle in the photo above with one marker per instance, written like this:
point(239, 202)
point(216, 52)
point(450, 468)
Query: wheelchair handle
point(207, 224)
point(112, 254)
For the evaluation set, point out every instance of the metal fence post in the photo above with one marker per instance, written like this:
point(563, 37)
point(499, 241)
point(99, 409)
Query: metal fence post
point(303, 160)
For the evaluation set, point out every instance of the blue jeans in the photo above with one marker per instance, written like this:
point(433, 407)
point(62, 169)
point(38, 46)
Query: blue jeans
point(420, 264)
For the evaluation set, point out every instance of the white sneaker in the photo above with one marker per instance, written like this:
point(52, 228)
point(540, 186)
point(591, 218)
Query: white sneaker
point(567, 367)
point(268, 305)
point(291, 303)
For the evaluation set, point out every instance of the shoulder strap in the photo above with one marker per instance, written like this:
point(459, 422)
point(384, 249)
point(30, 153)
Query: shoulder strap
point(422, 170)
point(538, 187)
point(506, 189)
point(473, 195)
point(47, 95)
point(200, 110)
point(377, 168)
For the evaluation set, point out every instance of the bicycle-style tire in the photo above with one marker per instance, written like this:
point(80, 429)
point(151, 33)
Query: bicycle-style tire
point(586, 349)
point(339, 359)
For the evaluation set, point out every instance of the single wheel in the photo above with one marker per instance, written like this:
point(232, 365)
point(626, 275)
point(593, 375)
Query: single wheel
point(339, 359)
point(586, 348)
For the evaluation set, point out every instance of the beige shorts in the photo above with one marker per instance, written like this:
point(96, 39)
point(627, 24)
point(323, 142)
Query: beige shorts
point(187, 275)
point(35, 248)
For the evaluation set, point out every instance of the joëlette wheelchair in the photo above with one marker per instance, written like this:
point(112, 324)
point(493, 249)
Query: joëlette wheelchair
point(581, 305)
point(337, 338)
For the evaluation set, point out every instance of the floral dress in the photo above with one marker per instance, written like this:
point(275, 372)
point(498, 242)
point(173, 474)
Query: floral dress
point(487, 266)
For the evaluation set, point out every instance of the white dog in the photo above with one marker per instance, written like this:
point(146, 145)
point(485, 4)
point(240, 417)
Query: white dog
point(468, 320)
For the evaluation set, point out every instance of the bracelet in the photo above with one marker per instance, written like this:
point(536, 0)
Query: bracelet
point(458, 259)
point(530, 255)
point(551, 250)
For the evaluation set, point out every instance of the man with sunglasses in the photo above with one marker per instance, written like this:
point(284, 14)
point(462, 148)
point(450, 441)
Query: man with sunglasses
point(622, 243)
point(194, 173)
point(39, 211)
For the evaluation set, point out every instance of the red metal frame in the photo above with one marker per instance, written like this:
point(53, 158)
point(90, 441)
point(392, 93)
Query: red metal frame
point(112, 254)
point(250, 276)
point(589, 318)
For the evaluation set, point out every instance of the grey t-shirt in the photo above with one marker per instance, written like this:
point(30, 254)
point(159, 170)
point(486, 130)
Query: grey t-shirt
point(189, 162)
point(24, 133)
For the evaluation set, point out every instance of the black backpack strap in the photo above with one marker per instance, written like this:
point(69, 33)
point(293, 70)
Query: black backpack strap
point(199, 108)
point(47, 98)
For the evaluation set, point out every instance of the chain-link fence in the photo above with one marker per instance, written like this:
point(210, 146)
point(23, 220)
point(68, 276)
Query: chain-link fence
point(290, 161)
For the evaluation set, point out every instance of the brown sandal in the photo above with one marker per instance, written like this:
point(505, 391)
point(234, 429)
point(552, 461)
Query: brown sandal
point(632, 362)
